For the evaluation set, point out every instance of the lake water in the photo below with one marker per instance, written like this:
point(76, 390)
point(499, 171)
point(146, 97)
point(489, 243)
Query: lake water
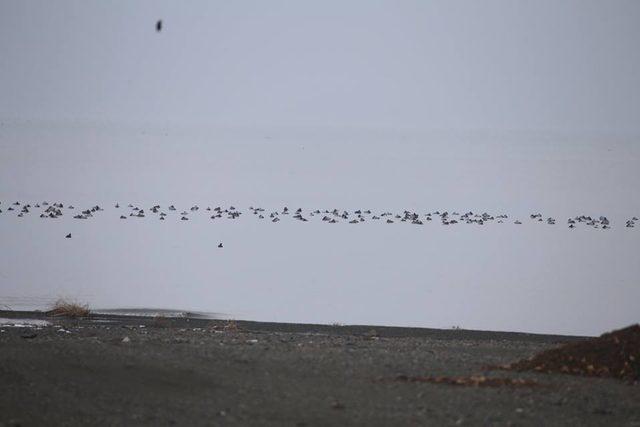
point(532, 277)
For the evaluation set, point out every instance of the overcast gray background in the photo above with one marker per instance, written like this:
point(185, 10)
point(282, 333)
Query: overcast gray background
point(540, 65)
point(504, 106)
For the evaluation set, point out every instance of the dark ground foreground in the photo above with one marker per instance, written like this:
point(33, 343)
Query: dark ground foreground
point(139, 371)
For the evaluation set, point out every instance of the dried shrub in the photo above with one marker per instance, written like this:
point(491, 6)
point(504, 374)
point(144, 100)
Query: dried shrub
point(63, 308)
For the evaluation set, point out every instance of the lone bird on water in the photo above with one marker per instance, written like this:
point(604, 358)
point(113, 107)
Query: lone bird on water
point(159, 25)
point(68, 236)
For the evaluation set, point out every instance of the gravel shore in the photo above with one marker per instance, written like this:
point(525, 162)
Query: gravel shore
point(110, 370)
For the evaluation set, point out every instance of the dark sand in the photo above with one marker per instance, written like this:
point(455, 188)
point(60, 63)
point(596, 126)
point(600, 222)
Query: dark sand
point(196, 372)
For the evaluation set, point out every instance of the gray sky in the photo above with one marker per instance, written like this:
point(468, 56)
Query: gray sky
point(538, 65)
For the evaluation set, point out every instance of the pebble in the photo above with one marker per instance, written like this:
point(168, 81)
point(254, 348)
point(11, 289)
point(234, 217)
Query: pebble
point(29, 336)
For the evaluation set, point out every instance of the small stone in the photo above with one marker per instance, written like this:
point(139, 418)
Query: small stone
point(337, 405)
point(372, 334)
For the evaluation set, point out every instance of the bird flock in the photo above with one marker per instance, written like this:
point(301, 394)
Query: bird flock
point(55, 210)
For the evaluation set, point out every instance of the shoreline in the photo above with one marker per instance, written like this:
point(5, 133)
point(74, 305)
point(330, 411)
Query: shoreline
point(125, 370)
point(308, 328)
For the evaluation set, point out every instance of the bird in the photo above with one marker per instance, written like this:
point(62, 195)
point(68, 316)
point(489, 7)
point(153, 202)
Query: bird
point(159, 25)
point(220, 245)
point(68, 236)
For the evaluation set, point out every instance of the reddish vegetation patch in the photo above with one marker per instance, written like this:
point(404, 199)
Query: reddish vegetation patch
point(472, 381)
point(615, 354)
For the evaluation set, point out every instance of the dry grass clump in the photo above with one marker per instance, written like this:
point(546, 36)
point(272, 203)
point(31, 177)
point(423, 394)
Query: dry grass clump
point(160, 321)
point(64, 308)
point(231, 326)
